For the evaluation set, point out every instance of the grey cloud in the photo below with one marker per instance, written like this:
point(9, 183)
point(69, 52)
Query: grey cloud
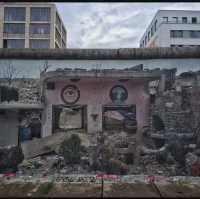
point(100, 24)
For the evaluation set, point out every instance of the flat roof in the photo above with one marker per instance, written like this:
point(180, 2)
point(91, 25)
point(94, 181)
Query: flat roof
point(62, 75)
point(93, 54)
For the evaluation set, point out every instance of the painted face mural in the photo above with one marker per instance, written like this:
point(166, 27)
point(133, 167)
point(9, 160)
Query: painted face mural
point(70, 94)
point(118, 94)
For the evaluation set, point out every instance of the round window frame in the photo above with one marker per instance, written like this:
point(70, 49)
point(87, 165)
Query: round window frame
point(121, 86)
point(63, 90)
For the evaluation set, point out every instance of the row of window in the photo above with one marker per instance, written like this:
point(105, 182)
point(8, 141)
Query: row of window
point(179, 20)
point(173, 45)
point(149, 34)
point(19, 14)
point(184, 33)
point(20, 43)
point(19, 28)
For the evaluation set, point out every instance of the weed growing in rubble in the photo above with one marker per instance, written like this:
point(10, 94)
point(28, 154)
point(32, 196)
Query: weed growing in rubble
point(71, 149)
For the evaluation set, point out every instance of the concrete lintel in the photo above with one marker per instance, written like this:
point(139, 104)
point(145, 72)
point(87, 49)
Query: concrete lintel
point(138, 75)
point(20, 106)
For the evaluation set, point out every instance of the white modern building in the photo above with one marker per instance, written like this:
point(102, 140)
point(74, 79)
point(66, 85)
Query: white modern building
point(171, 28)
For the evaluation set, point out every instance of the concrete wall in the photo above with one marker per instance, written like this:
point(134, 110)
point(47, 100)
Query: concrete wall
point(30, 68)
point(9, 128)
point(95, 93)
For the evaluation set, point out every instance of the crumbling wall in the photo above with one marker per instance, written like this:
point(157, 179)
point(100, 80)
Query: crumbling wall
point(175, 111)
point(28, 89)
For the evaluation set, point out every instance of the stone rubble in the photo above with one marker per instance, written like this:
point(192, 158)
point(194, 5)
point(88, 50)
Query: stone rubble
point(113, 152)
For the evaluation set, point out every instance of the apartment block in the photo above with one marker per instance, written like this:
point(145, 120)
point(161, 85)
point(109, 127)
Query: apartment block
point(31, 25)
point(171, 28)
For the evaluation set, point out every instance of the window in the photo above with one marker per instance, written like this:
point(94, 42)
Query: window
point(146, 40)
point(8, 94)
point(175, 19)
point(165, 19)
point(151, 31)
point(186, 33)
point(194, 20)
point(14, 14)
point(39, 43)
point(172, 45)
point(148, 35)
point(14, 43)
point(184, 19)
point(176, 33)
point(14, 28)
point(194, 34)
point(155, 25)
point(40, 14)
point(40, 29)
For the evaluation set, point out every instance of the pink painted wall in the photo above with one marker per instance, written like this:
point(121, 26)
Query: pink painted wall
point(96, 91)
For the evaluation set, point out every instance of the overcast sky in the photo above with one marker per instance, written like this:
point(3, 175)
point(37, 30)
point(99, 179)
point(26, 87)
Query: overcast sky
point(111, 25)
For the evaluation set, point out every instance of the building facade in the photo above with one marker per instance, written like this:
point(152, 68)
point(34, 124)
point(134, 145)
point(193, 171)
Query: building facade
point(170, 28)
point(31, 25)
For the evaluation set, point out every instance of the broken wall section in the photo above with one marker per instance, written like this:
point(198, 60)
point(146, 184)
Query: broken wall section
point(178, 108)
point(28, 90)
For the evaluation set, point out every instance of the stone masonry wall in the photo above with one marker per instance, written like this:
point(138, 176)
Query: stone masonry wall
point(28, 89)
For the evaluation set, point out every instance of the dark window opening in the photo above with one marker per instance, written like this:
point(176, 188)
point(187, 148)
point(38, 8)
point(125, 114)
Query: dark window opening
point(151, 31)
point(145, 40)
point(158, 123)
point(8, 94)
point(152, 98)
point(13, 43)
point(29, 125)
point(40, 29)
point(184, 19)
point(14, 14)
point(40, 14)
point(39, 43)
point(148, 35)
point(50, 85)
point(194, 20)
point(12, 28)
point(165, 19)
point(155, 25)
point(5, 43)
point(176, 33)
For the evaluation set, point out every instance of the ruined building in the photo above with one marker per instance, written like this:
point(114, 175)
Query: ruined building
point(123, 112)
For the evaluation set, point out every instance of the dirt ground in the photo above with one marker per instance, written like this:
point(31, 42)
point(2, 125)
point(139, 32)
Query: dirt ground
point(50, 189)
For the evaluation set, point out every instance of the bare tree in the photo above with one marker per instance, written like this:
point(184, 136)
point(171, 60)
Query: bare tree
point(9, 72)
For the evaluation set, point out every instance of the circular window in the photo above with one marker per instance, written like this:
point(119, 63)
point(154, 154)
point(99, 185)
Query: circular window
point(118, 94)
point(70, 94)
